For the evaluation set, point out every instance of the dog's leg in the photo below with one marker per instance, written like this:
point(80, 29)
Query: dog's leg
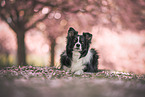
point(65, 60)
point(93, 66)
point(79, 72)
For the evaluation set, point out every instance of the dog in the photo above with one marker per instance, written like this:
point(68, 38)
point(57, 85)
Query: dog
point(78, 57)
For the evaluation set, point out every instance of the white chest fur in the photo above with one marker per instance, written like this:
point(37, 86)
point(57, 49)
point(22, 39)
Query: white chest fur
point(78, 64)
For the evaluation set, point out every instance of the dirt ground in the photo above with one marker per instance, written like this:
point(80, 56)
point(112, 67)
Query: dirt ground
point(37, 87)
point(49, 82)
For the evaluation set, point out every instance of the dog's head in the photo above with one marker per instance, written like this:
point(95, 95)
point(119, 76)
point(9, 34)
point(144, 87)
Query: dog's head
point(77, 42)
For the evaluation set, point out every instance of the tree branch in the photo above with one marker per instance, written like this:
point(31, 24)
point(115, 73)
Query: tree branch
point(39, 20)
point(10, 24)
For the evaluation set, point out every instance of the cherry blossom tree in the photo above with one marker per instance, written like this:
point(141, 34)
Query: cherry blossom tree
point(19, 15)
point(131, 14)
point(23, 15)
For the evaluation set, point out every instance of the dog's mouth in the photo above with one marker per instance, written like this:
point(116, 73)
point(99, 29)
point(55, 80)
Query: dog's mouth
point(77, 49)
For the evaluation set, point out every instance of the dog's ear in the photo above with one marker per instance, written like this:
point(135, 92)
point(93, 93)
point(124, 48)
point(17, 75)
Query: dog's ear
point(88, 36)
point(72, 32)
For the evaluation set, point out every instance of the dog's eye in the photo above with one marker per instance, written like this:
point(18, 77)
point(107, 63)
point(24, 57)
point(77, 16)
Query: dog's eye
point(75, 40)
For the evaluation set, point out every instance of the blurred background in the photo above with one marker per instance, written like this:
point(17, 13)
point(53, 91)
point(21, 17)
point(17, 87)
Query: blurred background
point(33, 32)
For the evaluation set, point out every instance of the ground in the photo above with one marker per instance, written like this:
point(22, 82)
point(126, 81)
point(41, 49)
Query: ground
point(29, 81)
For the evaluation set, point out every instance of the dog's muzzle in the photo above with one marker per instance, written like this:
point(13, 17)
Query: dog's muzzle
point(77, 47)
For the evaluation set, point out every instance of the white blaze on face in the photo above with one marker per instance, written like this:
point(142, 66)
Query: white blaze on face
point(76, 47)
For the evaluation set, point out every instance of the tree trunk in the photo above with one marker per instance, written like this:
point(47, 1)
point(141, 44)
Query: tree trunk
point(21, 54)
point(52, 50)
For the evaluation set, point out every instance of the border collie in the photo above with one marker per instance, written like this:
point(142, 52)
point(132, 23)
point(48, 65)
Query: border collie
point(78, 57)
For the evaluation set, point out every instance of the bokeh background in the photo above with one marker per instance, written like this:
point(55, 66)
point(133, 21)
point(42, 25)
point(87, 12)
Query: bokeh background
point(33, 32)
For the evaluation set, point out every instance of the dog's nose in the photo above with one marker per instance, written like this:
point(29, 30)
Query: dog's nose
point(77, 45)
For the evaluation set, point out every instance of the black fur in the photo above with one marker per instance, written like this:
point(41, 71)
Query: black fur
point(85, 40)
point(93, 65)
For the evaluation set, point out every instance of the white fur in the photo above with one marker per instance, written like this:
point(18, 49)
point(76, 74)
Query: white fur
point(66, 68)
point(79, 72)
point(87, 58)
point(77, 64)
point(80, 48)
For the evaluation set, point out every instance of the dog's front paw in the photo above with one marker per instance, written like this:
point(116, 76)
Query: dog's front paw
point(79, 72)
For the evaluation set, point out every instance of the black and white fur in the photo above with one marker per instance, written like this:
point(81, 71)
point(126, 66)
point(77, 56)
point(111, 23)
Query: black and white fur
point(77, 57)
